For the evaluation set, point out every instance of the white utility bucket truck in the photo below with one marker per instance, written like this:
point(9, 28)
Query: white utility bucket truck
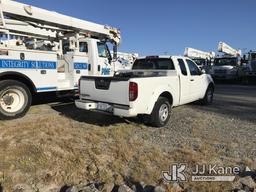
point(44, 51)
point(227, 66)
point(201, 58)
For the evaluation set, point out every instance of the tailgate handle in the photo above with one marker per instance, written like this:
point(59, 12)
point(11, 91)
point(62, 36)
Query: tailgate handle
point(192, 80)
point(103, 84)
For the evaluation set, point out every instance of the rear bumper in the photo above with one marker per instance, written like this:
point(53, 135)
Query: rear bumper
point(113, 109)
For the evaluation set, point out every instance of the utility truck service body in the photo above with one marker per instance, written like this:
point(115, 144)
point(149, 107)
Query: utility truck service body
point(150, 89)
point(44, 51)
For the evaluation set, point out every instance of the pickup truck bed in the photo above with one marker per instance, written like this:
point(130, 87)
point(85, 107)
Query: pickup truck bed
point(101, 89)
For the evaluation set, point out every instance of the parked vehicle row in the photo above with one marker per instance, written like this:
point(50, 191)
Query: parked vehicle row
point(229, 65)
point(44, 51)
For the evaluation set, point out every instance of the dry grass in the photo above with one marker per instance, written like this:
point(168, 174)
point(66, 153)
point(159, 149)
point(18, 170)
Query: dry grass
point(56, 150)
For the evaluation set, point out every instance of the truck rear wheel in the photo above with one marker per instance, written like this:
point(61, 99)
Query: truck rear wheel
point(15, 99)
point(161, 113)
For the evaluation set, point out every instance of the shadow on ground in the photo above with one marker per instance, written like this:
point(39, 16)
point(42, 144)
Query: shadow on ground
point(66, 107)
point(45, 98)
point(69, 110)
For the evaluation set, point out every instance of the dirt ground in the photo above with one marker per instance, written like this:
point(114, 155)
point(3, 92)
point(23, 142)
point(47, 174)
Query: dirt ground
point(57, 144)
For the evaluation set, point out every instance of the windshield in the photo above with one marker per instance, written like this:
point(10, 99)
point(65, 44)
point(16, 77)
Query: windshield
point(225, 61)
point(153, 64)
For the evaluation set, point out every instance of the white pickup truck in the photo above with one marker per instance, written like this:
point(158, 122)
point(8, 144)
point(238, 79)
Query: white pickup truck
point(153, 86)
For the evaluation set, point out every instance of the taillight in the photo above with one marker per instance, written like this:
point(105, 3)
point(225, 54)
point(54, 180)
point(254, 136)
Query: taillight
point(133, 91)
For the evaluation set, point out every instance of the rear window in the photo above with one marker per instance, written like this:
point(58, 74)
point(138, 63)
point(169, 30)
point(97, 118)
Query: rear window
point(153, 64)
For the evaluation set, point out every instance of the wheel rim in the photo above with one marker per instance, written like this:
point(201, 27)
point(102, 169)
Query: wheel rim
point(163, 112)
point(210, 95)
point(12, 100)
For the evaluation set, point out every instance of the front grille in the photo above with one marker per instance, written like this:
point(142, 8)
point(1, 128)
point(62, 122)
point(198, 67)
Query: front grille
point(220, 71)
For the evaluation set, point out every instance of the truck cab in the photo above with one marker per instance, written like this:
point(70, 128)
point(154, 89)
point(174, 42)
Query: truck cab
point(252, 61)
point(226, 68)
point(249, 67)
point(87, 56)
point(228, 65)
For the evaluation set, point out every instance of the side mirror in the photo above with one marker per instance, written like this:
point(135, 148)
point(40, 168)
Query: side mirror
point(109, 59)
point(115, 52)
point(203, 71)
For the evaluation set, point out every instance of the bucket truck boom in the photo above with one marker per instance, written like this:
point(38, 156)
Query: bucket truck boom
point(228, 50)
point(201, 58)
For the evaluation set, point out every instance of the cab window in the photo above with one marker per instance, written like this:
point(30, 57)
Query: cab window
point(194, 70)
point(83, 47)
point(103, 50)
point(182, 67)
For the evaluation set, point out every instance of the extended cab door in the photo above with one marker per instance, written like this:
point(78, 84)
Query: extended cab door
point(184, 82)
point(196, 79)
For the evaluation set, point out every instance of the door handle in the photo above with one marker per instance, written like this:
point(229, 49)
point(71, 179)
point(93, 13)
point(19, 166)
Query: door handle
point(192, 80)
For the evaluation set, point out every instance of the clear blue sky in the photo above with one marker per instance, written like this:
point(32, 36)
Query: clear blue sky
point(159, 26)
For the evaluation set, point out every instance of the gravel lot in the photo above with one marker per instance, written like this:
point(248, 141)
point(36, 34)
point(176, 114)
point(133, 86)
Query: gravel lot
point(57, 144)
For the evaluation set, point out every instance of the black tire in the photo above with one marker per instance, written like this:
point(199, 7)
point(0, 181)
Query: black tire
point(156, 119)
point(208, 97)
point(10, 89)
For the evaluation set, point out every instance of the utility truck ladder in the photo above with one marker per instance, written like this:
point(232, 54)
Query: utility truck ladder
point(227, 49)
point(18, 18)
point(194, 53)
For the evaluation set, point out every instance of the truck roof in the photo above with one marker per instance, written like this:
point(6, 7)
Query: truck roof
point(162, 56)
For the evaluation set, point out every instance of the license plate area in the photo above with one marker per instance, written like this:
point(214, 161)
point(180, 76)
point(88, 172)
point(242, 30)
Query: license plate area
point(104, 107)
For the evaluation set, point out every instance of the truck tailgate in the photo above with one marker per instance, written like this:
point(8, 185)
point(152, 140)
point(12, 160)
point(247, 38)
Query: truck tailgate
point(105, 89)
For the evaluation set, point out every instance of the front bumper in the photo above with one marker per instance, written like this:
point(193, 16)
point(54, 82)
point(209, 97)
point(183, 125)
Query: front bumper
point(224, 76)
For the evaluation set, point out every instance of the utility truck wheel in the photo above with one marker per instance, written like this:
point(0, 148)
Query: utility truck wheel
point(15, 99)
point(208, 98)
point(161, 112)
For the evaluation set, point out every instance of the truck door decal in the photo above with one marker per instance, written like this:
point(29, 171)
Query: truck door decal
point(46, 88)
point(105, 71)
point(81, 66)
point(26, 64)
